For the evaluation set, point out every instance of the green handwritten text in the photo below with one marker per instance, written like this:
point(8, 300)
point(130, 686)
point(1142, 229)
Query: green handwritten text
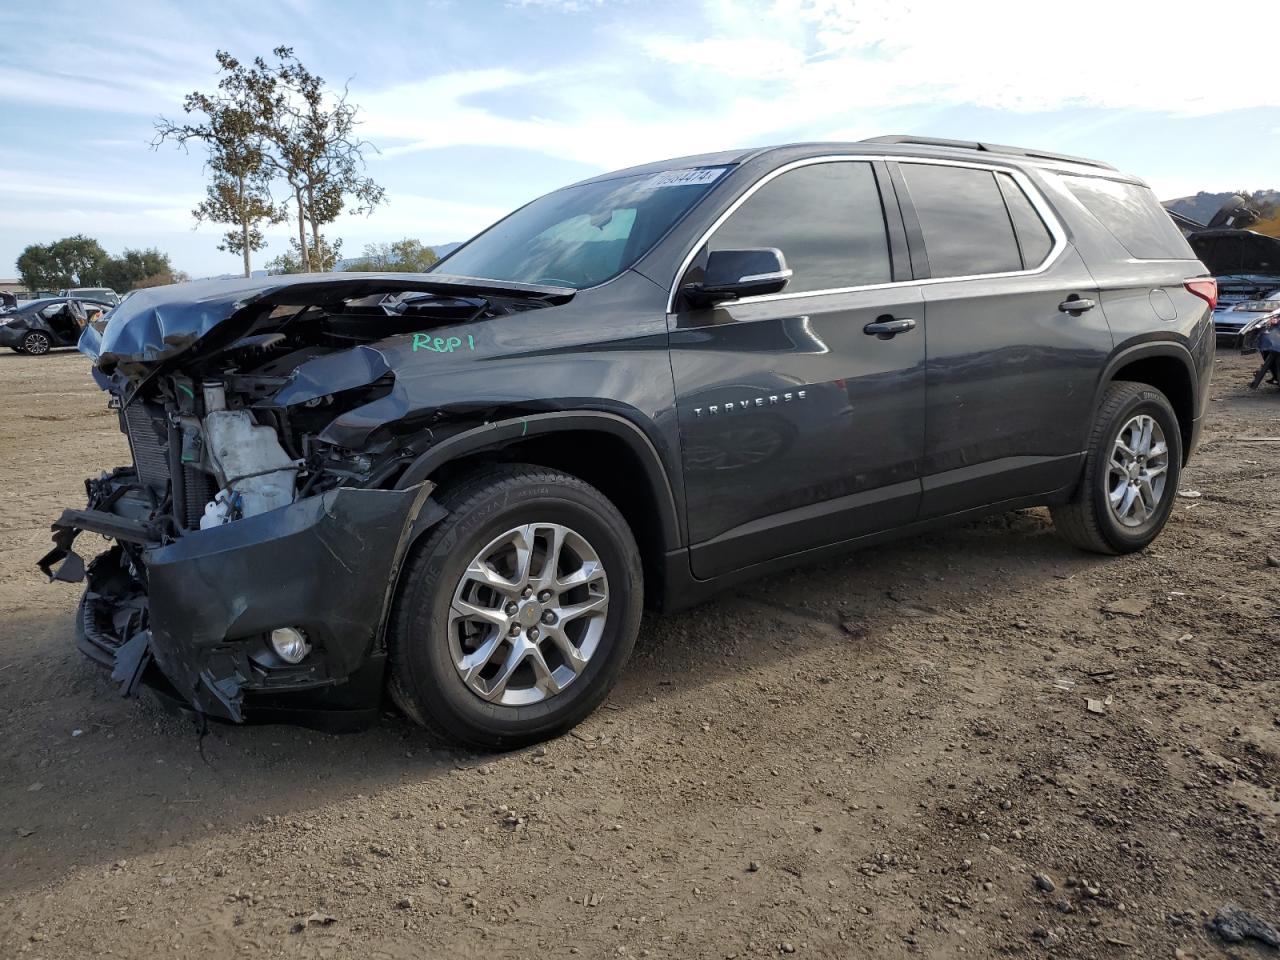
point(423, 341)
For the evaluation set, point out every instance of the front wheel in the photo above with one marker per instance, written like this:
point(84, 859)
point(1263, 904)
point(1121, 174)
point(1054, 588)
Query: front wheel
point(1131, 473)
point(516, 615)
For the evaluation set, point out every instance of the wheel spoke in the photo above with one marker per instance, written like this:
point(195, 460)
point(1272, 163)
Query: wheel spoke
point(1147, 497)
point(1126, 502)
point(481, 572)
point(515, 656)
point(580, 609)
point(473, 663)
point(1117, 494)
point(551, 561)
point(470, 611)
point(572, 655)
point(1145, 425)
point(522, 542)
point(543, 677)
point(589, 571)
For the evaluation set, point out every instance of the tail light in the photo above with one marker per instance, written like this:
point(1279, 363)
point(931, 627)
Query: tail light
point(1206, 288)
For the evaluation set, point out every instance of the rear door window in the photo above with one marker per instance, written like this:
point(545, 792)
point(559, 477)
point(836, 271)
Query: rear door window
point(966, 225)
point(1034, 239)
point(1132, 215)
point(827, 220)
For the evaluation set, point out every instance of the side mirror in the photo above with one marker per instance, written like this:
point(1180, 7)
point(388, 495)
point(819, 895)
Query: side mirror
point(731, 274)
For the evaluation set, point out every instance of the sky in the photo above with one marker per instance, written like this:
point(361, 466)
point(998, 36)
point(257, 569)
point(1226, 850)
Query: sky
point(477, 106)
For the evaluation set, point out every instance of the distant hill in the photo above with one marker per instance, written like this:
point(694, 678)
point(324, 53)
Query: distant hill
point(1203, 206)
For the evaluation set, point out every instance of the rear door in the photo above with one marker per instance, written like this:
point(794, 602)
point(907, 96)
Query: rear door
point(1011, 370)
point(798, 428)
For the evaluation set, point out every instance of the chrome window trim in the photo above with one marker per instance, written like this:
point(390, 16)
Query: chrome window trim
point(1032, 192)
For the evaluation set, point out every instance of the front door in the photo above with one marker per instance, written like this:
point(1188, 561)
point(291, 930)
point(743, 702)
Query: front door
point(799, 427)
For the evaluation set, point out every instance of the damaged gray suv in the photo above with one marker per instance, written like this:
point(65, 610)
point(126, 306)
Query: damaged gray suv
point(462, 487)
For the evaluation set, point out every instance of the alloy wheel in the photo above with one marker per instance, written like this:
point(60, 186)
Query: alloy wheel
point(1138, 471)
point(36, 343)
point(528, 614)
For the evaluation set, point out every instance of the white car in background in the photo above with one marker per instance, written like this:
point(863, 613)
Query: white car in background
point(100, 294)
point(1232, 321)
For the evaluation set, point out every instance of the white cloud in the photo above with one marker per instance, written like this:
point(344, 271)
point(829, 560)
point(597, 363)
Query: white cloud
point(432, 219)
point(826, 64)
point(999, 53)
point(614, 88)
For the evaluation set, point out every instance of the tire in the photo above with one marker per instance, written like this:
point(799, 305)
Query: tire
point(36, 343)
point(428, 637)
point(1089, 520)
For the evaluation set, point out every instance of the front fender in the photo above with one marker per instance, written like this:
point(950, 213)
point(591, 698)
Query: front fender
point(500, 433)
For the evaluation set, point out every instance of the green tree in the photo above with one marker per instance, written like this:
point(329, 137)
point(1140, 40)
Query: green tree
point(270, 120)
point(316, 149)
point(321, 257)
point(403, 256)
point(138, 268)
point(234, 126)
point(77, 261)
point(37, 269)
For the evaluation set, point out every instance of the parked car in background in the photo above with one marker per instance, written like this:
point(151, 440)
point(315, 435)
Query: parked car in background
point(96, 294)
point(40, 325)
point(1247, 267)
point(1234, 321)
point(641, 388)
point(8, 302)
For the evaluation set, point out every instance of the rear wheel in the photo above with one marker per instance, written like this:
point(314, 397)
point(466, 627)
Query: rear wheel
point(516, 615)
point(1131, 473)
point(36, 343)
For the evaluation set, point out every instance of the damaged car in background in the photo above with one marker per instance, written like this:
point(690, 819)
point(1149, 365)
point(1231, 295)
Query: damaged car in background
point(463, 486)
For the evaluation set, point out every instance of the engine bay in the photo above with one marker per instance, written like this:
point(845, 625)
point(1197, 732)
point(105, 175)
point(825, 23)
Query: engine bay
point(238, 428)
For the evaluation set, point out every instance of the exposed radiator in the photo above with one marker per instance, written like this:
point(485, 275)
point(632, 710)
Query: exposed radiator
point(148, 439)
point(197, 490)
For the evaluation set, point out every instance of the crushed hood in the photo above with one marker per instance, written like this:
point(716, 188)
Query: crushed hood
point(159, 323)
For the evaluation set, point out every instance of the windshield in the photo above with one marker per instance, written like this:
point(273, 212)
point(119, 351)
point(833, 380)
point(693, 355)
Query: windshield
point(584, 235)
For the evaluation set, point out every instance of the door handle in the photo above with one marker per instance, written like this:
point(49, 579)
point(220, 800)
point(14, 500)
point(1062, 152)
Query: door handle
point(1074, 304)
point(887, 329)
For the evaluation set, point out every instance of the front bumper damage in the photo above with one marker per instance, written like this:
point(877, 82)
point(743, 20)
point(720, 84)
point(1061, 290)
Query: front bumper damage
point(271, 423)
point(191, 617)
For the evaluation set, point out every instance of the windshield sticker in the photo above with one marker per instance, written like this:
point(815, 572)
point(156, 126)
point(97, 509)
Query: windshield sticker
point(686, 178)
point(423, 341)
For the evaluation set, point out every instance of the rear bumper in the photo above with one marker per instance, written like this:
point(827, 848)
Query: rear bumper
point(193, 616)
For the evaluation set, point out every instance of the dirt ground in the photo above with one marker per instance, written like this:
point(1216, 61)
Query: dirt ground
point(875, 757)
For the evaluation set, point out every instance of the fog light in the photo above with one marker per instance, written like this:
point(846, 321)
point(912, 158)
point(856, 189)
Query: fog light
point(290, 643)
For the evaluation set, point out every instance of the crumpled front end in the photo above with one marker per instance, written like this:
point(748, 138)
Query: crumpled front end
point(196, 616)
point(259, 531)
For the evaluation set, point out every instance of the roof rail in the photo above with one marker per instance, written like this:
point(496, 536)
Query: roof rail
point(987, 148)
